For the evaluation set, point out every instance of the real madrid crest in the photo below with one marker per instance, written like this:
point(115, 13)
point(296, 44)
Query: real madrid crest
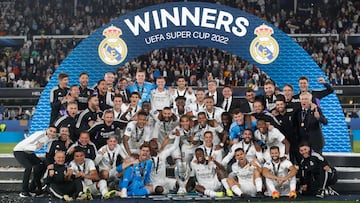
point(264, 49)
point(112, 50)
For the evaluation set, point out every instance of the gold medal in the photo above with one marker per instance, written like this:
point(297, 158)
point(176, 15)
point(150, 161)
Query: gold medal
point(302, 124)
point(136, 144)
point(111, 167)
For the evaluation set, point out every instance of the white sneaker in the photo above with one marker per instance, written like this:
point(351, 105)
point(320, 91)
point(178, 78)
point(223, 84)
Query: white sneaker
point(123, 193)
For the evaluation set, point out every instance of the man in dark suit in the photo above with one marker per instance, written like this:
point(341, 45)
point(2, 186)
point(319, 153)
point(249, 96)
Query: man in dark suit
point(229, 103)
point(121, 89)
point(308, 120)
point(218, 97)
point(248, 106)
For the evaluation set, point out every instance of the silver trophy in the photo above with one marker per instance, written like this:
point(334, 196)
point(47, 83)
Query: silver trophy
point(182, 174)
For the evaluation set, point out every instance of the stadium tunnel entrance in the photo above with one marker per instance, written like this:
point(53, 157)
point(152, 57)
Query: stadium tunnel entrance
point(205, 25)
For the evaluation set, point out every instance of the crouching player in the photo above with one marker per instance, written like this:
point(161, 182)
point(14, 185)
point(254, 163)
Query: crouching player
point(247, 174)
point(58, 180)
point(279, 176)
point(108, 157)
point(209, 175)
point(84, 169)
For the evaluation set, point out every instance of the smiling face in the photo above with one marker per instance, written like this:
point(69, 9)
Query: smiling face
point(305, 151)
point(59, 157)
point(200, 156)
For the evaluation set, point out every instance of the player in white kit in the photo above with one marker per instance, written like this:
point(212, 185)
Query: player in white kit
point(280, 176)
point(251, 148)
point(208, 174)
point(245, 178)
point(271, 136)
point(160, 97)
point(158, 179)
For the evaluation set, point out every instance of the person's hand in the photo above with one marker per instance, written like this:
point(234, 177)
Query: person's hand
point(39, 145)
point(303, 187)
point(51, 172)
point(313, 106)
point(177, 132)
point(103, 151)
point(190, 90)
point(321, 80)
point(50, 166)
point(327, 168)
point(80, 175)
point(218, 147)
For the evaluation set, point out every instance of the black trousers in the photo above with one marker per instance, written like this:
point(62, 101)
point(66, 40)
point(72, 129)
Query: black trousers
point(71, 188)
point(30, 161)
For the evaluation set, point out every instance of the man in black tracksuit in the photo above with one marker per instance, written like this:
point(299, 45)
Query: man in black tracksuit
point(59, 181)
point(57, 95)
point(316, 175)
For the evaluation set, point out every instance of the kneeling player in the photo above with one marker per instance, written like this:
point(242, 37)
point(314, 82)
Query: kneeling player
point(248, 175)
point(208, 174)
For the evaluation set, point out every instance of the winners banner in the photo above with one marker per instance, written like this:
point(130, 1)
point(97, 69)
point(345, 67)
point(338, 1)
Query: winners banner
point(197, 24)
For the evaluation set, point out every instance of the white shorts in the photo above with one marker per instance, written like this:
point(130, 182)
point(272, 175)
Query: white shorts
point(248, 188)
point(214, 185)
point(166, 183)
point(112, 172)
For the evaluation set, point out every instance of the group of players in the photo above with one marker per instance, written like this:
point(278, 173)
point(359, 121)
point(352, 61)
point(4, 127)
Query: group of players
point(119, 140)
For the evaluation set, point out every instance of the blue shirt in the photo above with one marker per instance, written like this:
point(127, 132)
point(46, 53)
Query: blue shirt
point(136, 176)
point(144, 90)
point(237, 130)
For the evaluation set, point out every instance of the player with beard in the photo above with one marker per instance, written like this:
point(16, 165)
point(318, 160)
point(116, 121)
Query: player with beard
point(136, 179)
point(261, 114)
point(285, 117)
point(104, 96)
point(89, 116)
point(316, 174)
point(101, 131)
point(165, 123)
point(62, 143)
point(245, 179)
point(280, 176)
point(158, 179)
point(250, 147)
point(85, 91)
point(208, 174)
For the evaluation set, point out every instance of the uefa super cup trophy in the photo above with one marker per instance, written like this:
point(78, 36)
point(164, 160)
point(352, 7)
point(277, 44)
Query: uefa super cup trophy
point(182, 174)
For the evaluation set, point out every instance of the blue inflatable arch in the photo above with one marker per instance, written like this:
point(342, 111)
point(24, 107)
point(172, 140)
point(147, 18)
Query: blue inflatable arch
point(197, 24)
